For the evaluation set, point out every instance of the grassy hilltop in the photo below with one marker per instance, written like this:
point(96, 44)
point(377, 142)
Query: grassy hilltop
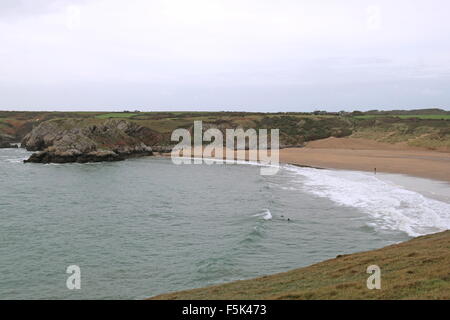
point(417, 269)
point(429, 128)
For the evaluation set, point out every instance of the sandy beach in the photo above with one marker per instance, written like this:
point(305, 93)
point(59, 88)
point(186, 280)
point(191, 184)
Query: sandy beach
point(366, 155)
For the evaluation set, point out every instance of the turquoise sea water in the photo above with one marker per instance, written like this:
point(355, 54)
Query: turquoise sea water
point(145, 226)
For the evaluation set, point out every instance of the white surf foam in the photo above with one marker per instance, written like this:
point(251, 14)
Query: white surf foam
point(15, 160)
point(391, 206)
point(267, 215)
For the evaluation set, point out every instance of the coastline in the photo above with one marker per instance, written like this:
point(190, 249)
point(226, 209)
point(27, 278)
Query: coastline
point(429, 166)
point(364, 155)
point(416, 270)
point(337, 252)
point(420, 251)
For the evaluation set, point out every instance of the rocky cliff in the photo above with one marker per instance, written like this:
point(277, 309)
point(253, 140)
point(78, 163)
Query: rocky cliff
point(6, 141)
point(78, 140)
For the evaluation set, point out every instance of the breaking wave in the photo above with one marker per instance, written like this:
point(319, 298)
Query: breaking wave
point(390, 206)
point(266, 215)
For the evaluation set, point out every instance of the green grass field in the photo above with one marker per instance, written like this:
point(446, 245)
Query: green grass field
point(423, 116)
point(119, 115)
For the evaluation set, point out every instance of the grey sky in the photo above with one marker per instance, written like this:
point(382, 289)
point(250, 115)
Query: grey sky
point(252, 55)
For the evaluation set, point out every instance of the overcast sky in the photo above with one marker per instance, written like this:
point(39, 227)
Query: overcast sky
point(252, 55)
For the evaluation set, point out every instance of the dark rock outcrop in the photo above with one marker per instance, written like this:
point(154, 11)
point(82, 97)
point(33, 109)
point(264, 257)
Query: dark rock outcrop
point(78, 140)
point(6, 141)
point(6, 145)
point(162, 149)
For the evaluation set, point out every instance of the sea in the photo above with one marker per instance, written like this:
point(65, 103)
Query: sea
point(145, 226)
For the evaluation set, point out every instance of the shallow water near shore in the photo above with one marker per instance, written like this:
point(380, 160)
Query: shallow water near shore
point(145, 226)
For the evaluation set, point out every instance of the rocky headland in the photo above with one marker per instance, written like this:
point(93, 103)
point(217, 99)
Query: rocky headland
point(79, 140)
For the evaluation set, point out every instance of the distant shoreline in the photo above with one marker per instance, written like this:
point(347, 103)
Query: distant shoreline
point(365, 155)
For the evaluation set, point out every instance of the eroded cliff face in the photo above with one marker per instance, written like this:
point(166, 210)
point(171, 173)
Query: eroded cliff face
point(78, 140)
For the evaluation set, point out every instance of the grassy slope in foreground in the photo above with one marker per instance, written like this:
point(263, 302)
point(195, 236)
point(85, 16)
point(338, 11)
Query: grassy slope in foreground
point(417, 269)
